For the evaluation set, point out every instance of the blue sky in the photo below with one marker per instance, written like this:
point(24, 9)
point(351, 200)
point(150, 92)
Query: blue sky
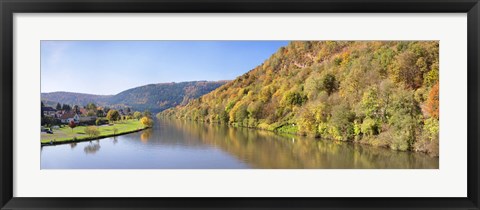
point(109, 67)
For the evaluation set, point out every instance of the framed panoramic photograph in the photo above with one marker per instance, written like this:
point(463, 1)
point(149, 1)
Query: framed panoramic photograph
point(239, 104)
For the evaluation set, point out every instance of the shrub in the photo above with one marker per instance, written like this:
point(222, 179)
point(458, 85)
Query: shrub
point(92, 131)
point(369, 127)
point(428, 142)
point(101, 121)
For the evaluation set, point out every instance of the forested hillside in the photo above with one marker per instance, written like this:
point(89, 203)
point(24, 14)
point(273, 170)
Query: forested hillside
point(378, 93)
point(158, 97)
point(154, 97)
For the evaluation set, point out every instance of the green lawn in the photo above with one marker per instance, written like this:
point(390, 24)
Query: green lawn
point(66, 134)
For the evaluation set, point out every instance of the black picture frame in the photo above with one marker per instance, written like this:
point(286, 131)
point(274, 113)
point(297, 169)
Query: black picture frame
point(9, 7)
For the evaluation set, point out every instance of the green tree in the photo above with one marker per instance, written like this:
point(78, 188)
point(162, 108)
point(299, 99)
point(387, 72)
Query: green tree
point(42, 115)
point(404, 120)
point(100, 113)
point(371, 103)
point(49, 121)
point(113, 115)
point(342, 121)
point(137, 115)
point(66, 107)
point(385, 57)
point(385, 97)
point(58, 107)
point(294, 98)
point(91, 107)
point(330, 83)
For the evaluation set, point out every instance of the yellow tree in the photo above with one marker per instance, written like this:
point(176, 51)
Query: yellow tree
point(147, 122)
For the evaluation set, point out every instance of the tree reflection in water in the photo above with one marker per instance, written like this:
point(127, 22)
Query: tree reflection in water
point(92, 148)
point(146, 135)
point(73, 145)
point(175, 144)
point(265, 149)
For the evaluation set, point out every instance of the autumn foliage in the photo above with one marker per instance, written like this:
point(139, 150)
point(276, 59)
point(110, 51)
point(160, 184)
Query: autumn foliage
point(147, 122)
point(370, 92)
point(72, 124)
point(432, 103)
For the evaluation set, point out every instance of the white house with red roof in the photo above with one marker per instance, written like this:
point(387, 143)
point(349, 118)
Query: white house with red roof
point(70, 116)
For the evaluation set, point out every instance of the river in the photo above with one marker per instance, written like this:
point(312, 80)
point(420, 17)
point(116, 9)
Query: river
point(175, 144)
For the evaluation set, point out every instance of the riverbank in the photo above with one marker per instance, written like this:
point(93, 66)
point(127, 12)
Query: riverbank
point(67, 135)
point(291, 129)
point(288, 129)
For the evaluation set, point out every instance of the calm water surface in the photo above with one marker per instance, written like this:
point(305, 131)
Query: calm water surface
point(175, 144)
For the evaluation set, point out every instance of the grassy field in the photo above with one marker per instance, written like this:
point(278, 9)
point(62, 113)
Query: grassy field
point(66, 134)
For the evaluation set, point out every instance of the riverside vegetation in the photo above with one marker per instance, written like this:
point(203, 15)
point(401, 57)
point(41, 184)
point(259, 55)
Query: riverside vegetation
point(378, 93)
point(78, 133)
point(73, 133)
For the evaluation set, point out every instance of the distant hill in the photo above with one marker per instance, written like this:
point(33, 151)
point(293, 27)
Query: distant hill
point(154, 97)
point(51, 99)
point(382, 93)
point(157, 97)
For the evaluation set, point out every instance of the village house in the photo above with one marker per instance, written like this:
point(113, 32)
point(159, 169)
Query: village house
point(70, 116)
point(60, 113)
point(49, 111)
